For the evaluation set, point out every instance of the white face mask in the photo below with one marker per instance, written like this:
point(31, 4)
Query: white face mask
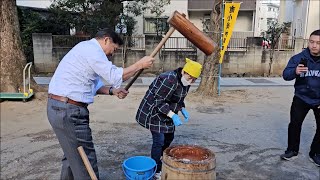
point(185, 82)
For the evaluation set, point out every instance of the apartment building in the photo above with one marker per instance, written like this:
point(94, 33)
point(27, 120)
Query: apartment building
point(269, 13)
point(303, 15)
point(198, 12)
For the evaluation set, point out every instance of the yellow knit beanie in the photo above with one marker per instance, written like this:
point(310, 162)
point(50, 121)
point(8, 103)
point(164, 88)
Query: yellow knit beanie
point(192, 68)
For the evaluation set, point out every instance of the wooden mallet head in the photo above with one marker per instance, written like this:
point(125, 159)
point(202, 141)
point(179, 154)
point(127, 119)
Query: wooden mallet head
point(188, 30)
point(192, 33)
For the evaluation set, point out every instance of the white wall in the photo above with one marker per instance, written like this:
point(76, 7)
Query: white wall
point(244, 21)
point(286, 11)
point(179, 5)
point(257, 20)
point(313, 19)
point(300, 16)
point(263, 18)
point(196, 19)
point(304, 15)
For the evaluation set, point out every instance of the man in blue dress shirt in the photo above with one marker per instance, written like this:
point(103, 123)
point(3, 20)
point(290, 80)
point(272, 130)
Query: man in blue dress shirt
point(73, 86)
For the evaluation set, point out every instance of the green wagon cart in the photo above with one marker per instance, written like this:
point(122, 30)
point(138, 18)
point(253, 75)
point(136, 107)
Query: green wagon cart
point(27, 92)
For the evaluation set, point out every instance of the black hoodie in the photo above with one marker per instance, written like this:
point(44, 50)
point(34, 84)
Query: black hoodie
point(307, 85)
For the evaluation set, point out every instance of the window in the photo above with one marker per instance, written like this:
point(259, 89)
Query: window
point(155, 25)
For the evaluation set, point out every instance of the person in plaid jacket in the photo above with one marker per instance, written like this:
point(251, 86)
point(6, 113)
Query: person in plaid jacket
point(158, 111)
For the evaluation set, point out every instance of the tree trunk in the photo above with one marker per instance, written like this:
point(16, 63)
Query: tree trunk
point(274, 44)
point(11, 54)
point(209, 79)
point(271, 61)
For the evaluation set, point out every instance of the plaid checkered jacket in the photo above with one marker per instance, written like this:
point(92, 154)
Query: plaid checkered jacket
point(165, 93)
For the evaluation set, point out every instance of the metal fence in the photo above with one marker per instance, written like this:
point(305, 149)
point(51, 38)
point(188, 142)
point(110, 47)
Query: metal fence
point(285, 44)
point(66, 41)
point(240, 44)
point(242, 34)
point(178, 43)
point(134, 42)
point(237, 44)
point(305, 43)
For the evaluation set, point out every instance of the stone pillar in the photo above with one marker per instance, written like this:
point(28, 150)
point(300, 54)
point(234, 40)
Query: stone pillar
point(42, 51)
point(298, 47)
point(282, 11)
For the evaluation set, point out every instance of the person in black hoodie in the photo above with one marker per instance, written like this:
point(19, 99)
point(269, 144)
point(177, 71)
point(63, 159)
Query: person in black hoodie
point(305, 68)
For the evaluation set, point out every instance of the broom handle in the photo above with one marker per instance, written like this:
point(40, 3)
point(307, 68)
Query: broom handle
point(87, 163)
point(154, 52)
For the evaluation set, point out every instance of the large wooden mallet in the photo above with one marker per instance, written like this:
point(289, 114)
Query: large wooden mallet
point(188, 30)
point(86, 162)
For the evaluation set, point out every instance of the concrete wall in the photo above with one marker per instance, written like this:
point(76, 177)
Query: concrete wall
point(174, 59)
point(58, 53)
point(42, 51)
point(132, 56)
point(254, 61)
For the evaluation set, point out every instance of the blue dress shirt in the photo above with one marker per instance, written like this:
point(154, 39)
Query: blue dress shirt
point(78, 75)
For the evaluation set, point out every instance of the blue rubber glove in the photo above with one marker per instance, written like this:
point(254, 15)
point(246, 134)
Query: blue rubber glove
point(185, 114)
point(176, 120)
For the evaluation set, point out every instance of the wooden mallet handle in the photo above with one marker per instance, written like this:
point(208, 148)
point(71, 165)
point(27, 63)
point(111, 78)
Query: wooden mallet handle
point(87, 163)
point(154, 52)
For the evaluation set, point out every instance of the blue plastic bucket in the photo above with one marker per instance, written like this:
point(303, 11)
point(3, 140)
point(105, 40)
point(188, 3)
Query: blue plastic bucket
point(139, 168)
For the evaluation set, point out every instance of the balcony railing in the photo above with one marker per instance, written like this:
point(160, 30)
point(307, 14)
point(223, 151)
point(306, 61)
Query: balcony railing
point(237, 44)
point(285, 44)
point(242, 34)
point(178, 43)
point(305, 43)
point(134, 42)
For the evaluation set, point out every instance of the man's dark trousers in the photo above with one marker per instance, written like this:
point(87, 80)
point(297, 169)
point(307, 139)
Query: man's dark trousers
point(298, 112)
point(71, 126)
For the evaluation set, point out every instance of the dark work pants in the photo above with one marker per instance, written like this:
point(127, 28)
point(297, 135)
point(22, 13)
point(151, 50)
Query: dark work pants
point(71, 126)
point(160, 142)
point(298, 112)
